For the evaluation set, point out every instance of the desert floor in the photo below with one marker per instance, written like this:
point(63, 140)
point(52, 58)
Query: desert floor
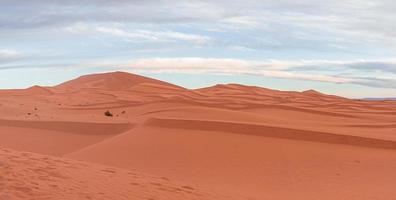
point(167, 142)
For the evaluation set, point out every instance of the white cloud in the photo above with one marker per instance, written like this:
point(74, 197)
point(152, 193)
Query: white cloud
point(4, 53)
point(270, 68)
point(242, 22)
point(379, 74)
point(9, 55)
point(304, 76)
point(139, 34)
point(312, 70)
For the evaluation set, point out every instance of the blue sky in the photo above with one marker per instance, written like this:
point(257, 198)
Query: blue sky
point(339, 47)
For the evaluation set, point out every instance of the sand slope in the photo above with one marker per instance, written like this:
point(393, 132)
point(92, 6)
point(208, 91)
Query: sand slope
point(257, 165)
point(32, 176)
point(245, 140)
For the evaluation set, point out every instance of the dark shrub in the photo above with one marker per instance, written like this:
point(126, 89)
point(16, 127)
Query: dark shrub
point(108, 114)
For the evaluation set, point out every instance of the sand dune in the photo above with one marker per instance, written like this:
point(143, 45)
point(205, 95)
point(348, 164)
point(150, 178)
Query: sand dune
point(109, 81)
point(262, 167)
point(33, 176)
point(246, 141)
point(56, 137)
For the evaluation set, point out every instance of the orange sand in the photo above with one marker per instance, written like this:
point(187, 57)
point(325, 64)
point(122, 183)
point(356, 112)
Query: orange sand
point(226, 142)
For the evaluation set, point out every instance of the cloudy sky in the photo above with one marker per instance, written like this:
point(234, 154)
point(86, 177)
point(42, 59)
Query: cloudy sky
point(343, 47)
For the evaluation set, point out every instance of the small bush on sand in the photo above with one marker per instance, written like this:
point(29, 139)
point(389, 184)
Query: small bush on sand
point(108, 114)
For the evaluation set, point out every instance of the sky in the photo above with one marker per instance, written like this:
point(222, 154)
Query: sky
point(342, 47)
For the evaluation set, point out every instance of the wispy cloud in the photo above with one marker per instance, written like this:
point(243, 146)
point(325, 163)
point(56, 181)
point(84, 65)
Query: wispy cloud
point(7, 55)
point(346, 71)
point(377, 74)
point(139, 34)
point(337, 41)
point(319, 27)
point(155, 35)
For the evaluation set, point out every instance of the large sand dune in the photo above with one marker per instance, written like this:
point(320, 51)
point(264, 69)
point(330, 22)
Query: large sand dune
point(243, 141)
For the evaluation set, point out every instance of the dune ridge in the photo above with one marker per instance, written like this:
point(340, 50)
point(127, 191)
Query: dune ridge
point(270, 131)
